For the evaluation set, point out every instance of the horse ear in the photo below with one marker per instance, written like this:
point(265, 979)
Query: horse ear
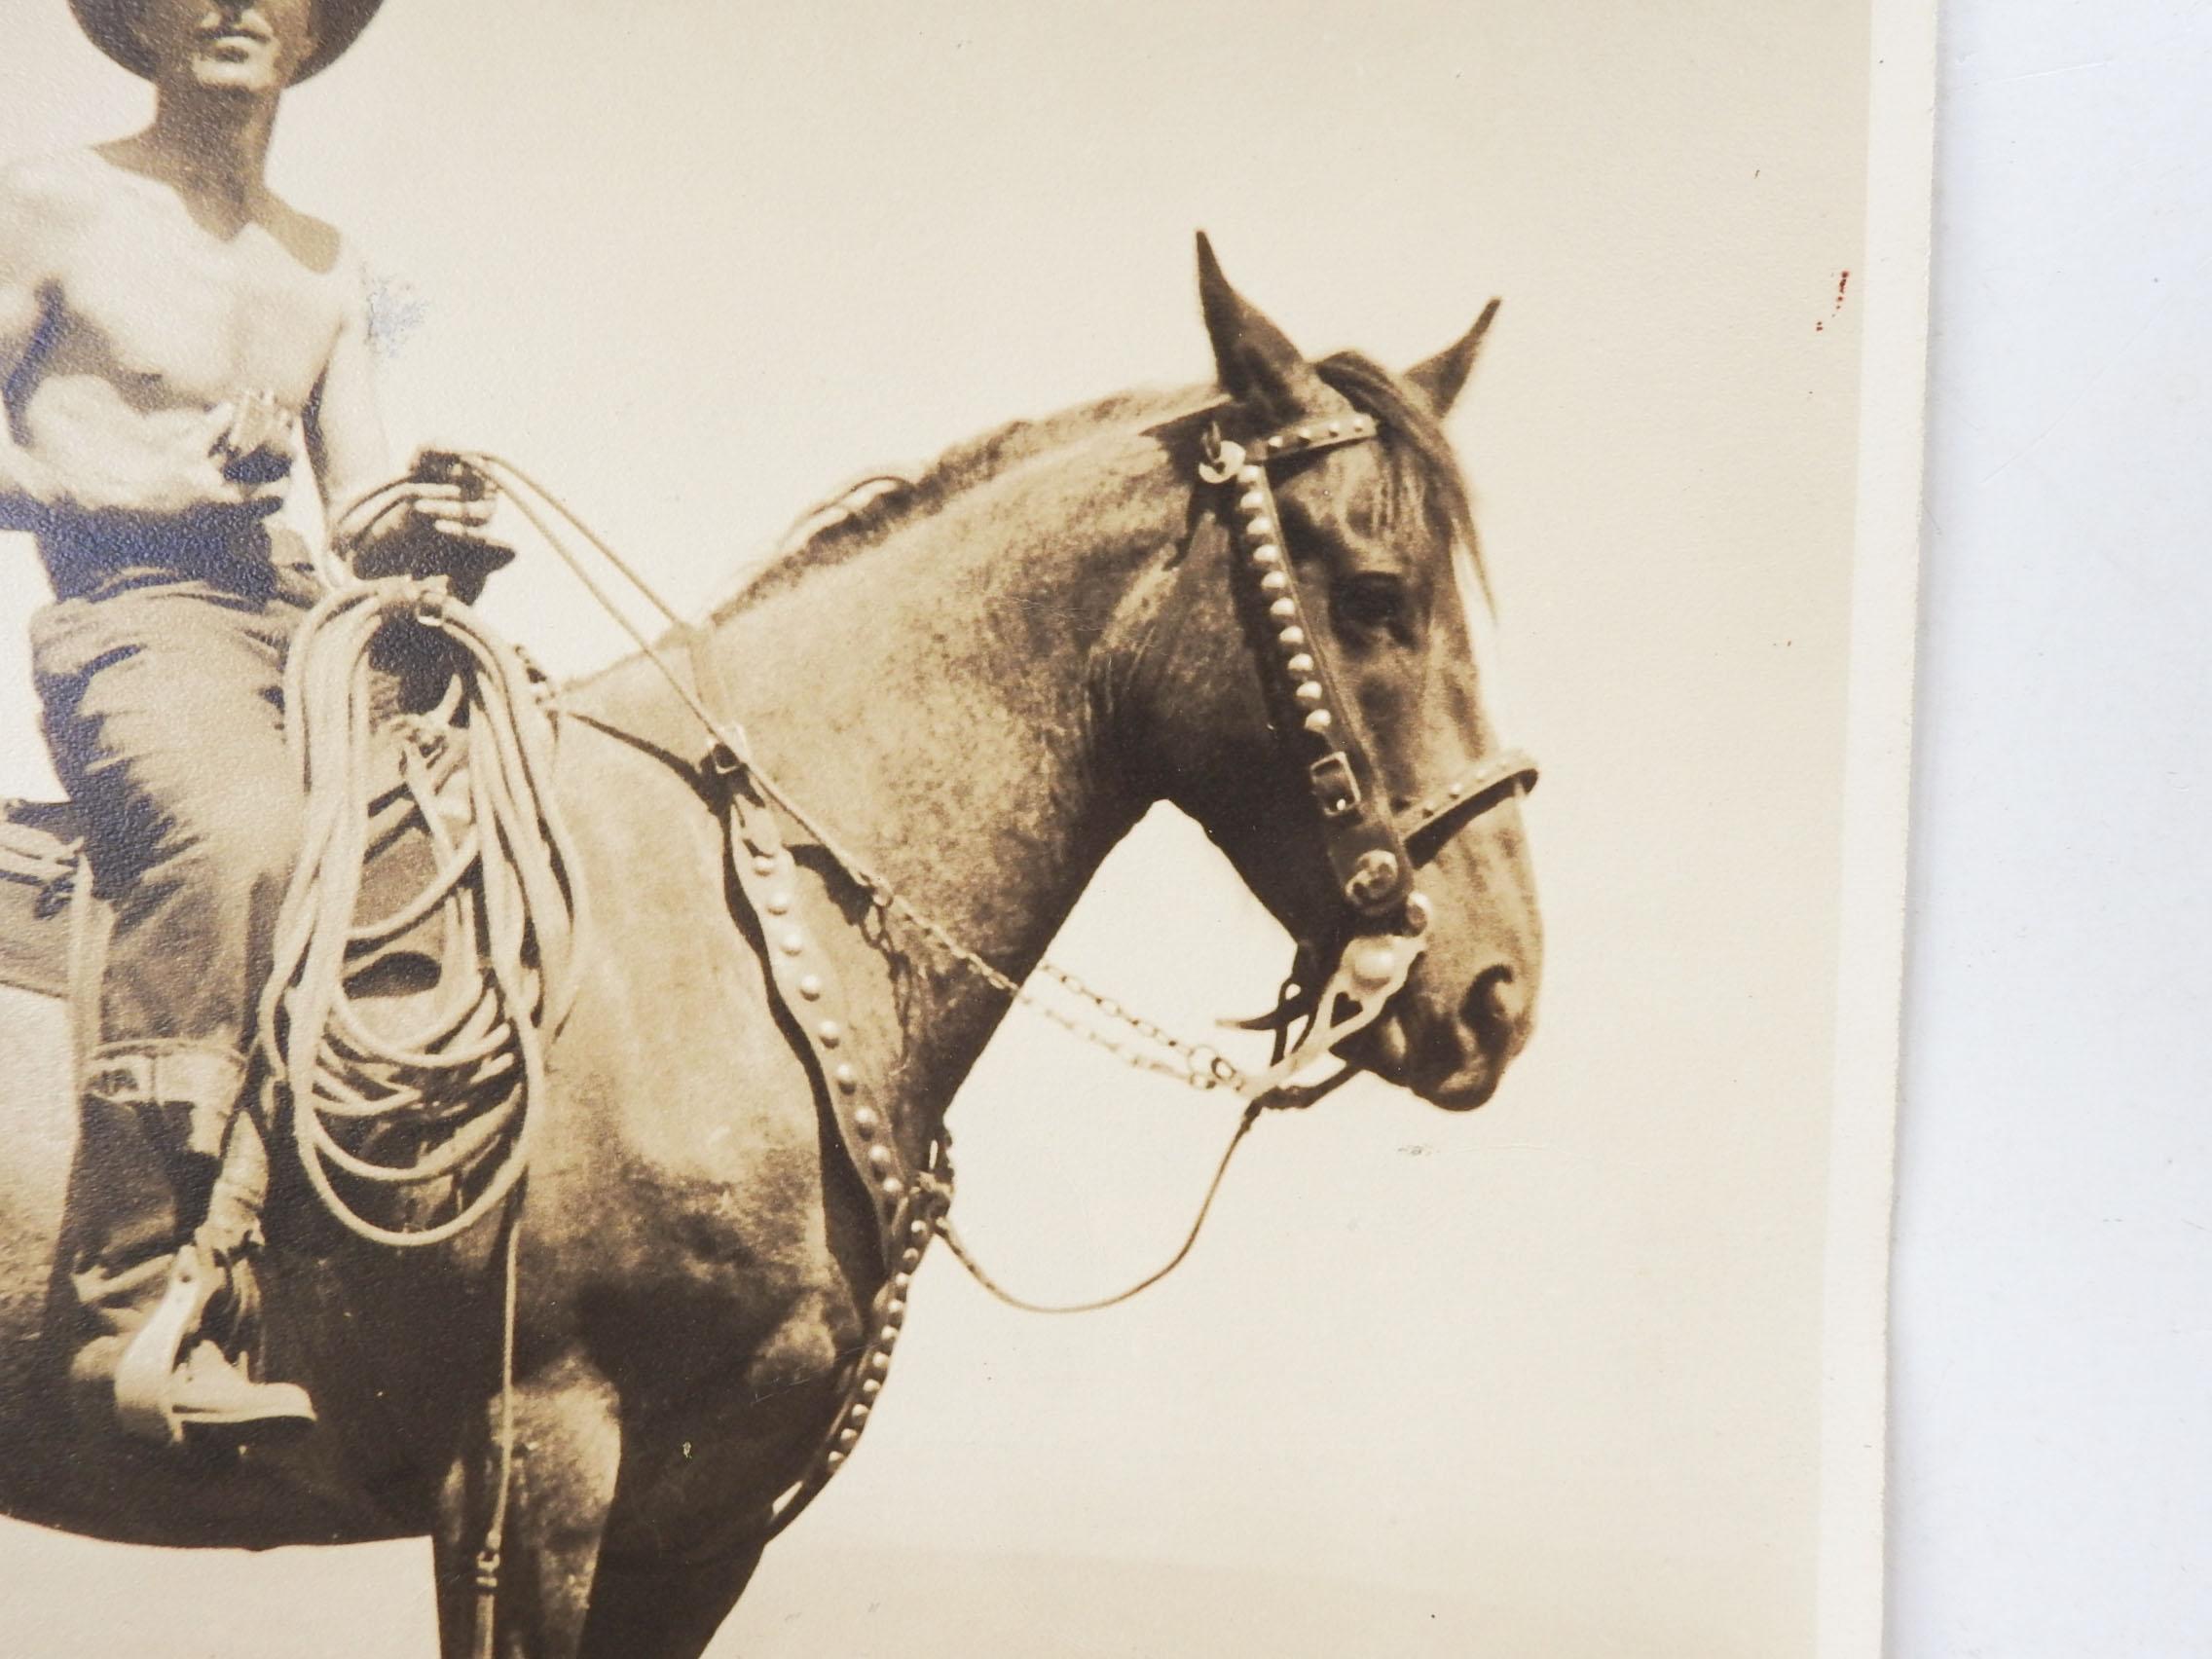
point(1255, 359)
point(1441, 379)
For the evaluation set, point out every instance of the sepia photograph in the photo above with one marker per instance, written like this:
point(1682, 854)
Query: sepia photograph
point(952, 831)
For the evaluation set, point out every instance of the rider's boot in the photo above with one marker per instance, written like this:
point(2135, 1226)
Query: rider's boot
point(146, 1159)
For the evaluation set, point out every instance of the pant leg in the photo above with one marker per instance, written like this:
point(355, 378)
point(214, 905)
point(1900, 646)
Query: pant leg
point(163, 708)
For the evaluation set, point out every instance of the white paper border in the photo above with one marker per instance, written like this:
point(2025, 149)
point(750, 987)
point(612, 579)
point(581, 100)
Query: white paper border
point(1877, 780)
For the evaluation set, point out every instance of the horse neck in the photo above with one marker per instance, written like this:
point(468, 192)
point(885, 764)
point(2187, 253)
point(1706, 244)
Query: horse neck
point(934, 701)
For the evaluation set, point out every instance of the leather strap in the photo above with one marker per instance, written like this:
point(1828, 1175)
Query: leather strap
point(805, 982)
point(1367, 857)
point(794, 920)
point(1471, 791)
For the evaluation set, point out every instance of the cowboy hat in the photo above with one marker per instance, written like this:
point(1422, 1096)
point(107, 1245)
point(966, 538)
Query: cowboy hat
point(110, 24)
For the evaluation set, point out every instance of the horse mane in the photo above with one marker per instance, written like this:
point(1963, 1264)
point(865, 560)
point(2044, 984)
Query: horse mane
point(965, 467)
point(1425, 487)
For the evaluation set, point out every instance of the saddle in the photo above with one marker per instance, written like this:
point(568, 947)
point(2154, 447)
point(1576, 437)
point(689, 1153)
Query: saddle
point(54, 923)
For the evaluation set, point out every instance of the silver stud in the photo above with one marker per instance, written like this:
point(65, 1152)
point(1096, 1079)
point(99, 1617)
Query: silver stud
point(831, 1033)
point(892, 1188)
point(1275, 581)
point(879, 1363)
point(1302, 663)
point(909, 1259)
point(1455, 789)
point(1305, 434)
point(1291, 638)
point(890, 1337)
point(1336, 428)
point(865, 1121)
point(1258, 529)
point(763, 864)
point(1265, 554)
point(793, 942)
point(810, 987)
point(834, 1461)
point(1308, 691)
point(848, 1079)
point(1282, 610)
point(902, 1282)
point(776, 904)
point(918, 1230)
point(895, 1311)
point(858, 1413)
point(879, 1158)
point(1319, 721)
point(1251, 502)
point(870, 1388)
point(847, 1439)
point(1248, 475)
point(1279, 442)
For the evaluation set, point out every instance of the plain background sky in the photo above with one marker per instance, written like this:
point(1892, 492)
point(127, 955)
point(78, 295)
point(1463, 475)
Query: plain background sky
point(1541, 1381)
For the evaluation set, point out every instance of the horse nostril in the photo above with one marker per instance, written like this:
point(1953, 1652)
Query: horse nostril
point(1498, 1008)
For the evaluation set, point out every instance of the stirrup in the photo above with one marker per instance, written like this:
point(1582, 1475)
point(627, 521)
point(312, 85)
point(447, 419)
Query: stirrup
point(156, 1400)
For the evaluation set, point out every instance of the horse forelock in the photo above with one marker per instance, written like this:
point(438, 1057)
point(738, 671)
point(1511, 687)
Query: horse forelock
point(1422, 485)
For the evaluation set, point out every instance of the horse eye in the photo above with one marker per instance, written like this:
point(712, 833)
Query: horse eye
point(1369, 601)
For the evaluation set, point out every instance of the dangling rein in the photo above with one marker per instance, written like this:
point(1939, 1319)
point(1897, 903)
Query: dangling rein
point(454, 1098)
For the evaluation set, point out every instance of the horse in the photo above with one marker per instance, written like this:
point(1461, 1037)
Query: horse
point(1254, 599)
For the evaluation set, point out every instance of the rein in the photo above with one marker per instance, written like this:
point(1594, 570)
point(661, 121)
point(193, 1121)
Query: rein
point(1365, 838)
point(1200, 1065)
point(1365, 842)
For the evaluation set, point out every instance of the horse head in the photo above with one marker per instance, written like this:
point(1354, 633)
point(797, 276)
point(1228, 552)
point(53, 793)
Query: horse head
point(1310, 685)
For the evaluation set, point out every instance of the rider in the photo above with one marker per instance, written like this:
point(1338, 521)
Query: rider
point(172, 336)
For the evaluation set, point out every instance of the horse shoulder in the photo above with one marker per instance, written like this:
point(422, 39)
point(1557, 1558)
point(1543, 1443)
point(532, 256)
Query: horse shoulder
point(684, 1139)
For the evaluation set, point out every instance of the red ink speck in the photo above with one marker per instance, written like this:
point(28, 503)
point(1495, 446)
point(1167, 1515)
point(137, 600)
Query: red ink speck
point(1818, 326)
point(1842, 282)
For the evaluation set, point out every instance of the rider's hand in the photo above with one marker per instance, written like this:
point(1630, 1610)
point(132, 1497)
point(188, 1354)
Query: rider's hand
point(423, 527)
point(162, 470)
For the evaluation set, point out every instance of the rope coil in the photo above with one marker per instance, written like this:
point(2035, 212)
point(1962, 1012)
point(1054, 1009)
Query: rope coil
point(454, 1098)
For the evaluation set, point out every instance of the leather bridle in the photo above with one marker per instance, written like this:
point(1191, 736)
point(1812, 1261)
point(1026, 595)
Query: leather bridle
point(1365, 834)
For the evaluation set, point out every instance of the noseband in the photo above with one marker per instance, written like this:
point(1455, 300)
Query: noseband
point(1364, 834)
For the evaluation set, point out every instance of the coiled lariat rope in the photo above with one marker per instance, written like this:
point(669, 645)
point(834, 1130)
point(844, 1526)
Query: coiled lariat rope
point(454, 1098)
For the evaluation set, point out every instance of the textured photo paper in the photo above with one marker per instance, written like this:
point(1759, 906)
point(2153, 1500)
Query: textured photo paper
point(1594, 1369)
